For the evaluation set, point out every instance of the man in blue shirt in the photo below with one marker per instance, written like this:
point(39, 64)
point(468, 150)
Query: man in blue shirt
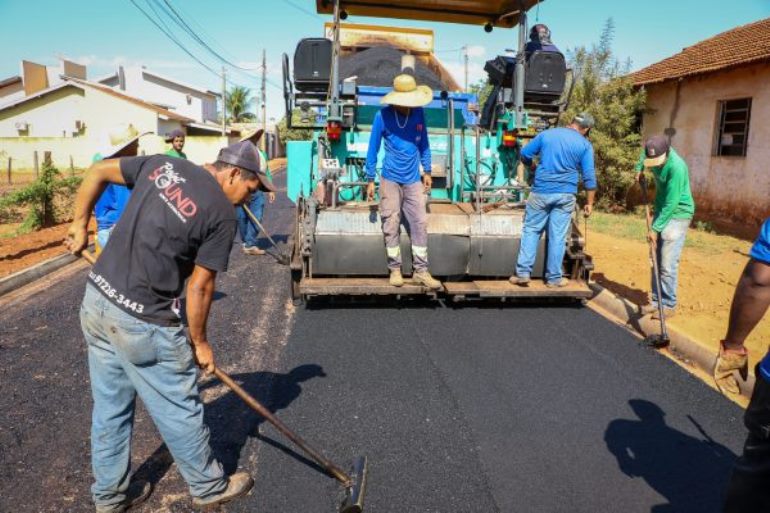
point(123, 142)
point(565, 153)
point(539, 39)
point(402, 187)
point(749, 486)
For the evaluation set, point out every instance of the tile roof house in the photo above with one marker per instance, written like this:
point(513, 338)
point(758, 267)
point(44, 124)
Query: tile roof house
point(58, 109)
point(712, 100)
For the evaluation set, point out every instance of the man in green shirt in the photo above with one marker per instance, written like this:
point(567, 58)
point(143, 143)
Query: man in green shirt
point(674, 208)
point(176, 138)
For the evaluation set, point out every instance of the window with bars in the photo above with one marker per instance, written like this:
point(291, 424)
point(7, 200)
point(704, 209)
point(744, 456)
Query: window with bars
point(732, 136)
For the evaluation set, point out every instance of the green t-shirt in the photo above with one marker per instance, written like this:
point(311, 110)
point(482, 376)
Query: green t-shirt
point(673, 199)
point(178, 154)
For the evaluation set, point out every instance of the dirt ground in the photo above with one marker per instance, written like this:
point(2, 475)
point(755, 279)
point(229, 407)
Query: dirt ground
point(20, 252)
point(710, 267)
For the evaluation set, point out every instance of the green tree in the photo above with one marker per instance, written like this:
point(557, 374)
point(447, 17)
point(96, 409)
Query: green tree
point(482, 89)
point(603, 89)
point(238, 102)
point(287, 134)
point(40, 197)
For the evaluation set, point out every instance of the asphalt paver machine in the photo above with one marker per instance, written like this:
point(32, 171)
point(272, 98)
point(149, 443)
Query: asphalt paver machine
point(476, 205)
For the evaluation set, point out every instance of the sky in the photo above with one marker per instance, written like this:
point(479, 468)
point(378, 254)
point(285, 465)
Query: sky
point(103, 34)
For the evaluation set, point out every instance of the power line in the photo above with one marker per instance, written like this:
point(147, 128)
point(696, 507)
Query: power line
point(302, 9)
point(177, 18)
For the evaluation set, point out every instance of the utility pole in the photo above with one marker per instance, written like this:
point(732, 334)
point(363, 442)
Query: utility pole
point(264, 100)
point(224, 102)
point(465, 58)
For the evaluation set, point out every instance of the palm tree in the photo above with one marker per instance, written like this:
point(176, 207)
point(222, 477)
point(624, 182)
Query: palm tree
point(238, 101)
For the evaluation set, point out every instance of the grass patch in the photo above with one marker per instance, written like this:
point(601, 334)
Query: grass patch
point(699, 237)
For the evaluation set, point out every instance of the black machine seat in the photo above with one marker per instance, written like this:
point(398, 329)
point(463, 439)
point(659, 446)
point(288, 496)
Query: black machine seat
point(312, 64)
point(545, 76)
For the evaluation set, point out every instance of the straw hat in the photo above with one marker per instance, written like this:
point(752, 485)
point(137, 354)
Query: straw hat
point(118, 138)
point(406, 93)
point(252, 135)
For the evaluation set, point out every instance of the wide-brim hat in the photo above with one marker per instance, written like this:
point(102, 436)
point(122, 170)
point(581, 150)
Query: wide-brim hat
point(252, 135)
point(118, 138)
point(406, 93)
point(244, 154)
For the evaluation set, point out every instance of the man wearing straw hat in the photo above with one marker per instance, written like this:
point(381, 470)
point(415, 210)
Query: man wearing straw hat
point(122, 141)
point(401, 124)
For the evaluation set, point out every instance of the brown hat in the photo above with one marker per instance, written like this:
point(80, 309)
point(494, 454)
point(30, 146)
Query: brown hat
point(252, 135)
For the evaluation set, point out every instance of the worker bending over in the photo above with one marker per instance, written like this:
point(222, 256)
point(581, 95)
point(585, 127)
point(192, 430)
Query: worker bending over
point(179, 223)
point(674, 209)
point(403, 188)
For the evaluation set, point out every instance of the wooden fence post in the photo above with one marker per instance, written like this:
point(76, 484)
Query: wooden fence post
point(36, 164)
point(72, 167)
point(9, 171)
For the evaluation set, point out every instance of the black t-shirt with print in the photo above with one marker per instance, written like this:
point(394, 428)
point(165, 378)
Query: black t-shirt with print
point(177, 217)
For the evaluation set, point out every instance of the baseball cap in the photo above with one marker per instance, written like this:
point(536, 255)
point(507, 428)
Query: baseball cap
point(585, 120)
point(655, 151)
point(243, 154)
point(177, 132)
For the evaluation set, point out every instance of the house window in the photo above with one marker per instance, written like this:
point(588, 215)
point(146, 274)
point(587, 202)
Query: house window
point(732, 136)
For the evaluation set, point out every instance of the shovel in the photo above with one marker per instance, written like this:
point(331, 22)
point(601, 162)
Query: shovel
point(660, 340)
point(354, 482)
point(282, 258)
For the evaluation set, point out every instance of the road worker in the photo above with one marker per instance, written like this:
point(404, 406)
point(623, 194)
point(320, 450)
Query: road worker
point(403, 187)
point(749, 487)
point(179, 223)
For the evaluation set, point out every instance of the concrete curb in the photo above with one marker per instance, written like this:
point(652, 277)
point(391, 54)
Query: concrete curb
point(683, 347)
point(37, 271)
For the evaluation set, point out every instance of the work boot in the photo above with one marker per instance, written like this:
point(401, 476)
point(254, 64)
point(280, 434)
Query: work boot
point(668, 312)
point(727, 363)
point(138, 492)
point(396, 279)
point(238, 485)
point(563, 282)
point(253, 250)
point(648, 309)
point(425, 279)
point(521, 281)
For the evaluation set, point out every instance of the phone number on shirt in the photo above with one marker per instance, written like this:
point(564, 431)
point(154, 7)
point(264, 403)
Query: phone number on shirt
point(113, 294)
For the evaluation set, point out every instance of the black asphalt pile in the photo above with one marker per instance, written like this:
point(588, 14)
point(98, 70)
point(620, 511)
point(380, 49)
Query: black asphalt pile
point(379, 65)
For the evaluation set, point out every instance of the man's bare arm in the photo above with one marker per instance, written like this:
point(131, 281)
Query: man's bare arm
point(96, 179)
point(200, 294)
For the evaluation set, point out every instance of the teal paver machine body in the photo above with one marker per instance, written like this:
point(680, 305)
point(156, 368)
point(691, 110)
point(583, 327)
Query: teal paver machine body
point(476, 205)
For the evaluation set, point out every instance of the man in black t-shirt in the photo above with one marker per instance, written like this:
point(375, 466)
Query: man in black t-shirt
point(178, 224)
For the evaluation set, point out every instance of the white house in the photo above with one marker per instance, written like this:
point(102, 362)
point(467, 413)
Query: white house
point(184, 99)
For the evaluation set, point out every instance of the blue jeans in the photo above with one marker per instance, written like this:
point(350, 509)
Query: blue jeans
point(126, 357)
point(551, 213)
point(248, 230)
point(669, 249)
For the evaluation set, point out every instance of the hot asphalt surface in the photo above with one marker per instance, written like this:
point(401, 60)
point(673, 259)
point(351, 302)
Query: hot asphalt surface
point(536, 408)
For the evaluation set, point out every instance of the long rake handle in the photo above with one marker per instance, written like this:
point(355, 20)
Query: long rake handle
point(330, 467)
point(653, 257)
point(259, 225)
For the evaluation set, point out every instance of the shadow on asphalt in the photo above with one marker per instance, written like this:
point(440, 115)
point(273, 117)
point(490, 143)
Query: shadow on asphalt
point(232, 422)
point(689, 472)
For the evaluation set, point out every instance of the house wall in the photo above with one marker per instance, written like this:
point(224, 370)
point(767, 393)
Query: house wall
point(199, 149)
point(730, 188)
point(51, 115)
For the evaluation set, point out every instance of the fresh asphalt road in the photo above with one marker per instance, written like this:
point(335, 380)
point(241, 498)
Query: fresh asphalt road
point(534, 408)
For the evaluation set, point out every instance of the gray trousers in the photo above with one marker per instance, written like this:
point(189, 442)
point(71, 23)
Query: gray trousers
point(409, 199)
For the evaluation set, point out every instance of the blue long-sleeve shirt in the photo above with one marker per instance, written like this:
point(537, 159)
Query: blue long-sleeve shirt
point(405, 148)
point(564, 154)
